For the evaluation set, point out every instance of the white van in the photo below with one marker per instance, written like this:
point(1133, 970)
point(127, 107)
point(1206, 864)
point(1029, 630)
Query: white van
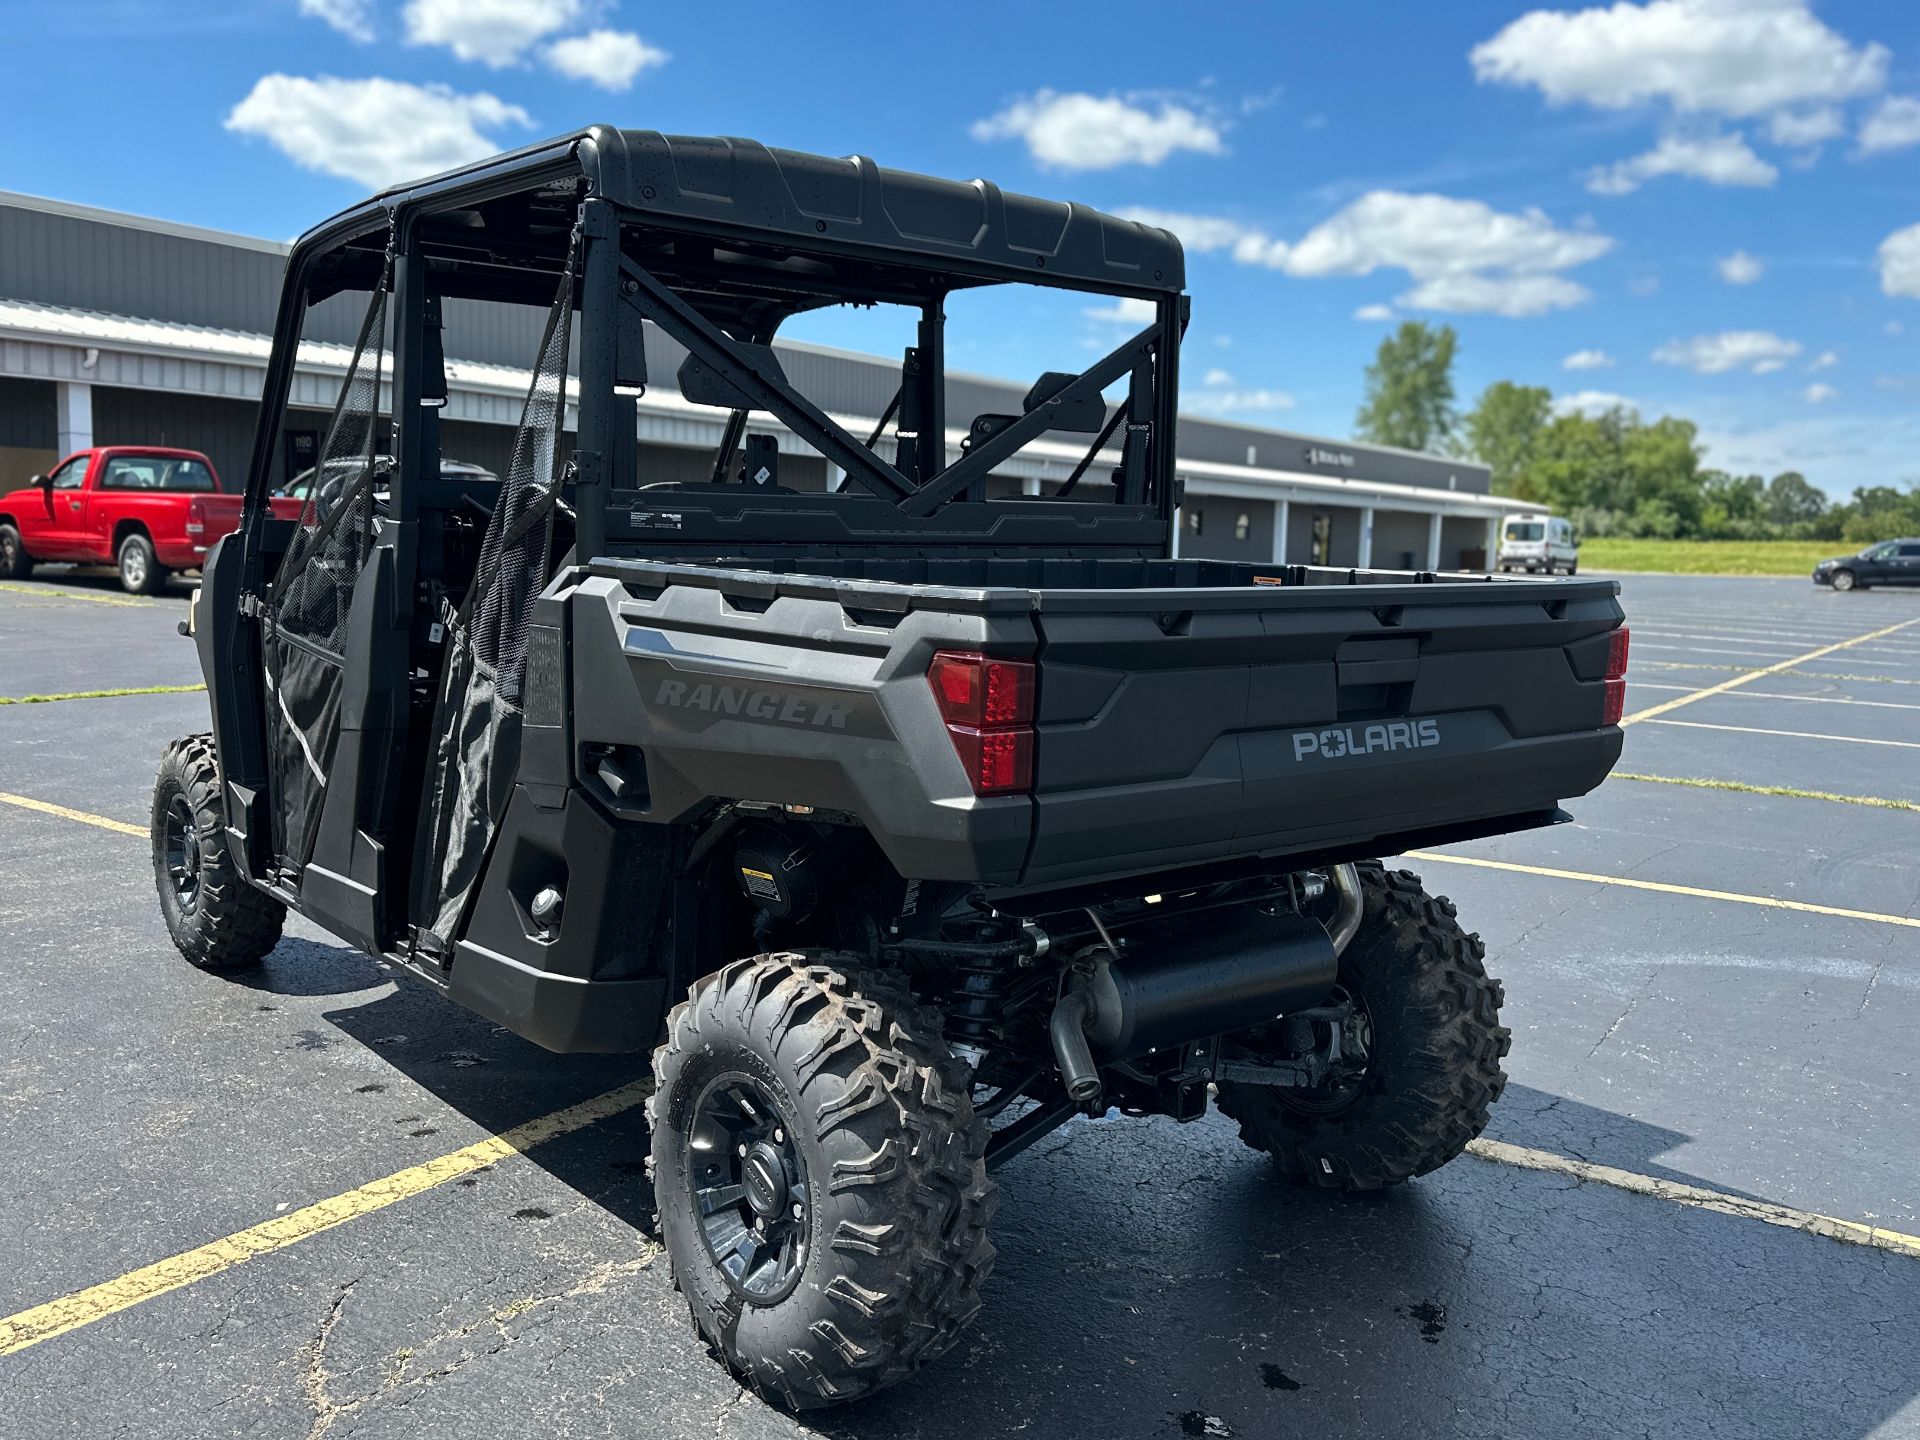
point(1543, 543)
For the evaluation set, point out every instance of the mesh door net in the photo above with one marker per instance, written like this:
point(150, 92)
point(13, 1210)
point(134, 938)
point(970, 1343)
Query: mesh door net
point(477, 722)
point(313, 595)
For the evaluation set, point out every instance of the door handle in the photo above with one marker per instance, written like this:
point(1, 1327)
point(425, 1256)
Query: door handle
point(73, 504)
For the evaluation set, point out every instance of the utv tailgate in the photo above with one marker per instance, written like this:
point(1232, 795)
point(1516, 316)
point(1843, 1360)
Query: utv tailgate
point(1184, 726)
point(1184, 713)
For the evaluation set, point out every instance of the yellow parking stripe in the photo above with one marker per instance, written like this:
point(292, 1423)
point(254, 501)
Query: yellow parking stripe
point(1792, 734)
point(1661, 887)
point(83, 1307)
point(45, 808)
point(1751, 675)
point(1853, 1232)
point(36, 592)
point(100, 694)
point(1788, 791)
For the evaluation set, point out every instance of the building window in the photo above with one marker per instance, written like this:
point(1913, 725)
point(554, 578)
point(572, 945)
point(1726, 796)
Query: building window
point(1193, 520)
point(1242, 525)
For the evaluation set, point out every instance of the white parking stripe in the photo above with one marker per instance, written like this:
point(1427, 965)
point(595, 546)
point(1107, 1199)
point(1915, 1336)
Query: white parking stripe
point(1780, 695)
point(1790, 734)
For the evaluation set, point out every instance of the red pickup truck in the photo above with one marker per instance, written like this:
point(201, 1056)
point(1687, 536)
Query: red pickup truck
point(146, 509)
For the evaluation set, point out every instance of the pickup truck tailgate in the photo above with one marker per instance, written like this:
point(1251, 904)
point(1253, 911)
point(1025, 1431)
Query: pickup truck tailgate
point(1182, 726)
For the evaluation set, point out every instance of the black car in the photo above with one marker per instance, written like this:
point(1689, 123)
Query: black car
point(1891, 562)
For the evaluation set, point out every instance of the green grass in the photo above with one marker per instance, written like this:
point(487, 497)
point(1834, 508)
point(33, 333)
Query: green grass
point(1709, 557)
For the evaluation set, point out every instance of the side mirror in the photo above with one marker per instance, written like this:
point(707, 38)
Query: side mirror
point(42, 482)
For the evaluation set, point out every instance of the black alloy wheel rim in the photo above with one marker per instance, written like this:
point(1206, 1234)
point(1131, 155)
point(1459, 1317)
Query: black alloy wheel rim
point(750, 1193)
point(183, 854)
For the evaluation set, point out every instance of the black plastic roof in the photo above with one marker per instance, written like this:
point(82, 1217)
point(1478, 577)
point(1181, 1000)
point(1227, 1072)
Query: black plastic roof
point(802, 201)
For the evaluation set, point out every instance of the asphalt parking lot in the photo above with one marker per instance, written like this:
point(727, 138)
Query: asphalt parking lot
point(1710, 984)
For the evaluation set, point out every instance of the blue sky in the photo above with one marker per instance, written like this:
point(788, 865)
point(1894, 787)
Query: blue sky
point(1715, 203)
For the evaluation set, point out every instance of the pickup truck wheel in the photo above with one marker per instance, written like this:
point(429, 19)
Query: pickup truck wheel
point(217, 920)
point(820, 1176)
point(15, 563)
point(1434, 1043)
point(141, 572)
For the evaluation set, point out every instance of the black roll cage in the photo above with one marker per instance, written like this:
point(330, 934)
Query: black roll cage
point(718, 293)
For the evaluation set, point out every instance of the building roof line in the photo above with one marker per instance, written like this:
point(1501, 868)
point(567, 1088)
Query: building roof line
point(74, 210)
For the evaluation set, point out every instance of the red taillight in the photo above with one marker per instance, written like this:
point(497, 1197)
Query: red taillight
point(1617, 654)
point(1616, 686)
point(196, 516)
point(987, 704)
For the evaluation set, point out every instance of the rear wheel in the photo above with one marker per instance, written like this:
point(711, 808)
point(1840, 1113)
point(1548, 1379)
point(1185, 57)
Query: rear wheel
point(141, 572)
point(1844, 580)
point(1426, 1019)
point(15, 563)
point(217, 920)
point(820, 1176)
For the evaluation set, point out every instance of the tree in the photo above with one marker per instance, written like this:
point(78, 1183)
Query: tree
point(1504, 428)
point(1410, 389)
point(1792, 501)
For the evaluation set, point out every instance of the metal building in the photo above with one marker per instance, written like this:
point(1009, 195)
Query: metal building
point(115, 329)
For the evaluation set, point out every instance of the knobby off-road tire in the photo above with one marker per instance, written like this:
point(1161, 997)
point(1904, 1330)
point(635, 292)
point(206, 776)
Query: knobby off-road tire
point(878, 1119)
point(1434, 1057)
point(217, 920)
point(15, 563)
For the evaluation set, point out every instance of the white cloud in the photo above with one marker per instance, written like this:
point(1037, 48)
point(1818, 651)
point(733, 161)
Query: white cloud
point(1900, 266)
point(1893, 126)
point(1758, 351)
point(1227, 402)
point(1716, 159)
point(1894, 329)
point(1202, 234)
point(1739, 268)
point(1515, 296)
point(1818, 394)
point(1591, 403)
point(1225, 342)
point(1093, 132)
point(1217, 378)
point(1825, 360)
point(1123, 311)
point(1374, 313)
point(1464, 255)
point(378, 132)
point(494, 32)
point(1587, 360)
point(610, 59)
point(1728, 57)
point(352, 18)
point(1805, 127)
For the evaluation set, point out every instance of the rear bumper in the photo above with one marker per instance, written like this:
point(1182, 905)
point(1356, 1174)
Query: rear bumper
point(181, 554)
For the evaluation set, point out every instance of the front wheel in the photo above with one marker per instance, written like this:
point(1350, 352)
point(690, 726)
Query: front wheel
point(820, 1176)
point(141, 572)
point(1844, 580)
point(1425, 1025)
point(217, 920)
point(15, 563)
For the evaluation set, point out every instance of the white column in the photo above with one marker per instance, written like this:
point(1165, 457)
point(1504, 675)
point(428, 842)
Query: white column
point(73, 415)
point(1280, 508)
point(1179, 521)
point(1433, 541)
point(1366, 538)
point(1493, 543)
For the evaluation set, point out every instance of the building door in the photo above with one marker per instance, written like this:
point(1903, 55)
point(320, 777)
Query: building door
point(1320, 545)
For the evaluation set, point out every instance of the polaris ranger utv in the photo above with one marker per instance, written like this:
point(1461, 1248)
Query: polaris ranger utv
point(905, 805)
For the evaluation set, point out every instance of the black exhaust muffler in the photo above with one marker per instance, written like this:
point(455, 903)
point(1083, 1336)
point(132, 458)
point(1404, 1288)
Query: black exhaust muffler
point(1190, 977)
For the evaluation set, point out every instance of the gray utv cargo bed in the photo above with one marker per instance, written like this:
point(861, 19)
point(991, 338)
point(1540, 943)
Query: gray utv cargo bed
point(1187, 711)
